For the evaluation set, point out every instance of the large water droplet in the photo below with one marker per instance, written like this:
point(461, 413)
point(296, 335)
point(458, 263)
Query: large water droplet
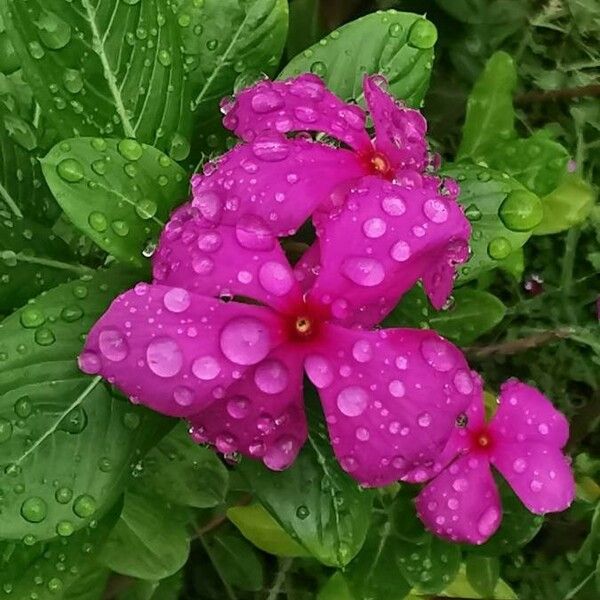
point(422, 34)
point(363, 270)
point(238, 407)
point(267, 101)
point(70, 170)
point(271, 376)
point(275, 278)
point(164, 357)
point(436, 210)
point(177, 300)
point(206, 368)
point(130, 149)
point(280, 454)
point(245, 341)
point(362, 351)
point(84, 506)
point(499, 248)
point(319, 370)
point(438, 354)
point(113, 345)
point(352, 401)
point(253, 233)
point(34, 509)
point(374, 228)
point(488, 521)
point(521, 211)
point(400, 251)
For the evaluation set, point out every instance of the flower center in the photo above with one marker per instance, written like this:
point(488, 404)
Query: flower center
point(380, 164)
point(304, 326)
point(481, 439)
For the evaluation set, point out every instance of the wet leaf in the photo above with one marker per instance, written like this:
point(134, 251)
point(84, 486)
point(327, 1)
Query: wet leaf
point(104, 69)
point(55, 474)
point(118, 192)
point(397, 45)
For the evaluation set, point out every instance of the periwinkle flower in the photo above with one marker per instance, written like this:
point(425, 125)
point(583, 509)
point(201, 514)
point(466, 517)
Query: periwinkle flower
point(234, 369)
point(523, 440)
point(352, 186)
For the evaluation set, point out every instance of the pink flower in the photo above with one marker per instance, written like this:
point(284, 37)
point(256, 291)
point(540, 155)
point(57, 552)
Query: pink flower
point(235, 369)
point(353, 190)
point(524, 441)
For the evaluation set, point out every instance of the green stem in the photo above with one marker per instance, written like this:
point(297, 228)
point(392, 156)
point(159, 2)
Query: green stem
point(284, 567)
point(55, 264)
point(566, 279)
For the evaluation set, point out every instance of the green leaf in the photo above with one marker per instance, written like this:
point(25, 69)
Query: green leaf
point(490, 113)
point(430, 566)
point(514, 264)
point(538, 162)
point(55, 474)
point(374, 573)
point(167, 589)
point(110, 68)
point(32, 259)
point(318, 504)
point(472, 313)
point(518, 527)
point(150, 540)
point(483, 573)
point(336, 588)
point(502, 212)
point(567, 206)
point(305, 25)
point(259, 527)
point(65, 569)
point(235, 560)
point(225, 41)
point(396, 44)
point(184, 473)
point(118, 192)
point(461, 588)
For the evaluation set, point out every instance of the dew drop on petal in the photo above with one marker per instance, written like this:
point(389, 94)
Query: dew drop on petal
point(177, 300)
point(393, 205)
point(238, 407)
point(543, 429)
point(271, 376)
point(362, 351)
point(438, 354)
point(206, 368)
point(352, 401)
point(460, 485)
point(364, 271)
point(275, 278)
point(319, 370)
point(488, 521)
point(400, 251)
point(89, 362)
point(362, 434)
point(281, 453)
point(183, 395)
point(245, 341)
point(253, 233)
point(436, 210)
point(536, 485)
point(463, 382)
point(265, 102)
point(519, 465)
point(397, 389)
point(113, 345)
point(209, 241)
point(164, 357)
point(424, 420)
point(374, 228)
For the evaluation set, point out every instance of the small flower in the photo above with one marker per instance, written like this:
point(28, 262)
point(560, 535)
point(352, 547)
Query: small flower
point(224, 334)
point(352, 186)
point(524, 441)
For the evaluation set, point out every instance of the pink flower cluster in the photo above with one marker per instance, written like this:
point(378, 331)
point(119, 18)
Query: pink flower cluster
point(225, 332)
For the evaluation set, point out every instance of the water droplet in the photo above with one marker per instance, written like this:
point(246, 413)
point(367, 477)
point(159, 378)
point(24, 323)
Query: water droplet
point(271, 149)
point(32, 317)
point(36, 50)
point(183, 396)
point(519, 465)
point(72, 81)
point(374, 228)
point(179, 148)
point(393, 205)
point(89, 363)
point(352, 401)
point(267, 101)
point(473, 213)
point(6, 430)
point(53, 31)
point(319, 68)
point(521, 211)
point(253, 233)
point(463, 382)
point(271, 376)
point(75, 421)
point(438, 354)
point(164, 357)
point(130, 149)
point(99, 167)
point(164, 58)
point(23, 407)
point(84, 506)
point(499, 248)
point(44, 336)
point(460, 485)
point(280, 454)
point(362, 434)
point(395, 30)
point(396, 388)
point(400, 251)
point(70, 170)
point(422, 34)
point(275, 278)
point(364, 271)
point(177, 300)
point(113, 345)
point(245, 341)
point(362, 351)
point(238, 407)
point(319, 370)
point(121, 228)
point(146, 208)
point(98, 221)
point(436, 210)
point(65, 528)
point(34, 509)
point(488, 521)
point(424, 420)
point(302, 512)
point(206, 368)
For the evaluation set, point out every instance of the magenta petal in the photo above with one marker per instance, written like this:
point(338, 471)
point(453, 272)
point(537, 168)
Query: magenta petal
point(174, 351)
point(462, 503)
point(539, 474)
point(278, 181)
point(460, 442)
point(307, 268)
point(224, 261)
point(399, 131)
point(261, 415)
point(525, 414)
point(386, 238)
point(389, 398)
point(299, 104)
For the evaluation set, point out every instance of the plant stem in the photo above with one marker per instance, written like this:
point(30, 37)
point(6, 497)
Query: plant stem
point(566, 278)
point(522, 344)
point(230, 593)
point(284, 567)
point(553, 95)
